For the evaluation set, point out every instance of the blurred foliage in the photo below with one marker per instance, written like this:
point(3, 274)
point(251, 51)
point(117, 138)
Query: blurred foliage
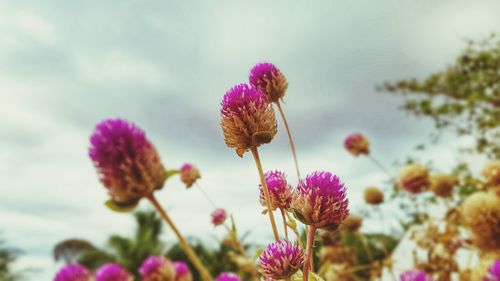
point(465, 96)
point(7, 258)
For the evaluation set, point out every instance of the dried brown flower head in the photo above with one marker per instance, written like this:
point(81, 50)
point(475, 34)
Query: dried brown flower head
point(481, 211)
point(373, 196)
point(442, 185)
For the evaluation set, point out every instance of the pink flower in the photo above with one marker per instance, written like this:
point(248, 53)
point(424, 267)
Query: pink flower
point(414, 275)
point(227, 276)
point(189, 174)
point(156, 268)
point(218, 216)
point(279, 190)
point(182, 272)
point(127, 163)
point(357, 144)
point(248, 119)
point(73, 272)
point(493, 272)
point(320, 201)
point(281, 260)
point(269, 79)
point(112, 272)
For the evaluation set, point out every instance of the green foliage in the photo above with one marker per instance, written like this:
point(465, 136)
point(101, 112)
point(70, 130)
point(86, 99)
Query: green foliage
point(465, 96)
point(7, 258)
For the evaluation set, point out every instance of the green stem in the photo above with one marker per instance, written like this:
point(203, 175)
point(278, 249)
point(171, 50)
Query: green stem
point(311, 231)
point(284, 223)
point(255, 154)
point(206, 195)
point(205, 275)
point(290, 139)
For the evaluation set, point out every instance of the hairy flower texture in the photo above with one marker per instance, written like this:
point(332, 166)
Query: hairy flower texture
point(357, 144)
point(320, 200)
point(112, 272)
point(219, 216)
point(127, 163)
point(413, 178)
point(442, 184)
point(182, 272)
point(481, 212)
point(248, 119)
point(189, 174)
point(157, 268)
point(281, 259)
point(491, 174)
point(414, 275)
point(279, 190)
point(227, 276)
point(269, 79)
point(373, 196)
point(352, 223)
point(73, 272)
point(493, 272)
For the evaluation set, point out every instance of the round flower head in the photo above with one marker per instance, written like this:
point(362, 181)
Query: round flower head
point(491, 174)
point(320, 201)
point(189, 174)
point(281, 259)
point(269, 79)
point(481, 212)
point(442, 184)
point(227, 276)
point(248, 119)
point(182, 272)
point(219, 216)
point(73, 272)
point(279, 190)
point(373, 196)
point(413, 178)
point(156, 268)
point(357, 144)
point(352, 223)
point(127, 163)
point(493, 272)
point(112, 272)
point(414, 275)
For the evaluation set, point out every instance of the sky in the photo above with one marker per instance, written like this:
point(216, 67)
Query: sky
point(165, 65)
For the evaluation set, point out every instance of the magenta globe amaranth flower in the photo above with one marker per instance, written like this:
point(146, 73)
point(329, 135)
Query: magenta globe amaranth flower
point(219, 216)
point(269, 79)
point(127, 163)
point(281, 259)
point(182, 272)
point(248, 119)
point(189, 174)
point(320, 201)
point(357, 144)
point(414, 275)
point(227, 276)
point(157, 268)
point(279, 190)
point(493, 272)
point(73, 272)
point(112, 272)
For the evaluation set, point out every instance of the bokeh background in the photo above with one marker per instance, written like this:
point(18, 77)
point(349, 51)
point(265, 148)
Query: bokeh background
point(65, 65)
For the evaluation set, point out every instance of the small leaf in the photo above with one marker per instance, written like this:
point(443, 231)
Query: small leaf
point(261, 138)
point(120, 207)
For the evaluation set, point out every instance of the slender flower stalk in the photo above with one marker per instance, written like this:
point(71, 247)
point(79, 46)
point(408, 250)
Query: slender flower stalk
point(380, 165)
point(290, 139)
point(205, 194)
point(256, 157)
point(205, 275)
point(363, 241)
point(283, 216)
point(311, 232)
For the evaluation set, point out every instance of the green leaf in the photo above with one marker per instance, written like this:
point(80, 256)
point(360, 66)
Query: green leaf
point(120, 207)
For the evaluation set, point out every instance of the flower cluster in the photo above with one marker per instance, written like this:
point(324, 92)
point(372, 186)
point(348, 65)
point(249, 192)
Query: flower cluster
point(156, 268)
point(279, 190)
point(415, 275)
point(73, 272)
point(112, 272)
point(189, 174)
point(269, 79)
point(413, 178)
point(357, 144)
point(320, 200)
point(281, 260)
point(128, 164)
point(248, 120)
point(219, 216)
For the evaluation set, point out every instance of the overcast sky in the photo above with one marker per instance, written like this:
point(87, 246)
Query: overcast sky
point(66, 65)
